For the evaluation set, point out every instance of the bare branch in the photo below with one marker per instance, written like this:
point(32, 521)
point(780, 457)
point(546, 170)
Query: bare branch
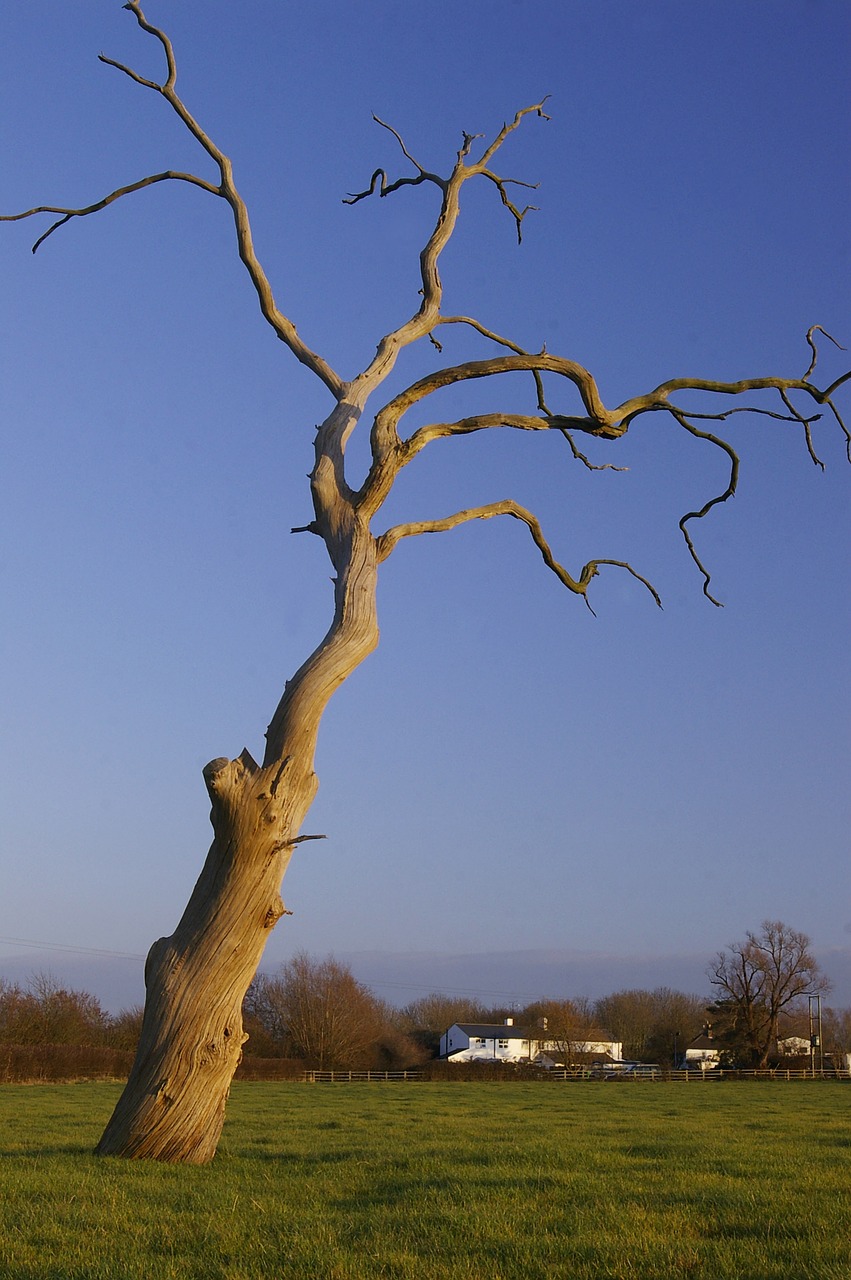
point(539, 386)
point(428, 313)
point(537, 109)
point(501, 183)
point(834, 386)
point(386, 187)
point(484, 421)
point(580, 456)
point(792, 416)
point(821, 397)
point(622, 564)
point(838, 417)
point(282, 325)
point(405, 152)
point(713, 502)
point(170, 175)
point(476, 422)
point(128, 71)
point(388, 540)
point(390, 452)
point(817, 328)
point(749, 408)
point(805, 423)
point(484, 331)
point(503, 342)
point(600, 421)
point(134, 7)
point(658, 398)
point(517, 214)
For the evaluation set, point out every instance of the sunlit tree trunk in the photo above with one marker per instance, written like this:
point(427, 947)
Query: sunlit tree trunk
point(173, 1105)
point(191, 1043)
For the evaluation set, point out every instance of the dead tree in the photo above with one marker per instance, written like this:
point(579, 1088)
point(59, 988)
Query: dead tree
point(173, 1106)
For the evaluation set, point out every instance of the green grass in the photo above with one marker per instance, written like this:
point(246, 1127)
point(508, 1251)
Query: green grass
point(438, 1182)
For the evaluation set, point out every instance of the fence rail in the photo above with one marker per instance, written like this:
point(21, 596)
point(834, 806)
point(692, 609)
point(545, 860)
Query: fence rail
point(357, 1077)
point(46, 1063)
point(583, 1073)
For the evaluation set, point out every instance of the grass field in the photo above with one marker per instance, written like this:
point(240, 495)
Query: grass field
point(438, 1182)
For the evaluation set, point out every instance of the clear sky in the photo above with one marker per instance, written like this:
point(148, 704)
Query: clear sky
point(507, 772)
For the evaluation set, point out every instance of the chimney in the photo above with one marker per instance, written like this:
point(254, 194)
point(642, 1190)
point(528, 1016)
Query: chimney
point(509, 1022)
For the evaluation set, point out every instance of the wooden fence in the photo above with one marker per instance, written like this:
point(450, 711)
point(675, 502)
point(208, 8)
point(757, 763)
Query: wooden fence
point(358, 1077)
point(53, 1063)
point(584, 1074)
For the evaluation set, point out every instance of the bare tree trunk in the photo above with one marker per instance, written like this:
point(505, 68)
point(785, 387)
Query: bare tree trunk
point(192, 1037)
point(173, 1105)
point(769, 1041)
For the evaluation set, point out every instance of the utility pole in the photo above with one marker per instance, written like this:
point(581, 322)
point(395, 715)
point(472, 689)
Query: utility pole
point(816, 1044)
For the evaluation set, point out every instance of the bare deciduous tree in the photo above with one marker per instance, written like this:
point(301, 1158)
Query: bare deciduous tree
point(563, 1027)
point(320, 1012)
point(762, 978)
point(426, 1018)
point(646, 1021)
point(836, 1025)
point(317, 1010)
point(173, 1105)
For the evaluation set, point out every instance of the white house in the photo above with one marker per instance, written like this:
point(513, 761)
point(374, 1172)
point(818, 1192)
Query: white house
point(703, 1052)
point(503, 1042)
point(793, 1046)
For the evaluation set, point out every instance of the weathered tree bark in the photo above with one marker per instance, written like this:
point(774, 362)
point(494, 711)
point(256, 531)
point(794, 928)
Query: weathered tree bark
point(173, 1105)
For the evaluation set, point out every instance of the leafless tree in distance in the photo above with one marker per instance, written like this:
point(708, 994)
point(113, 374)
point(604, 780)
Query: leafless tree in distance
point(320, 1012)
point(760, 979)
point(173, 1106)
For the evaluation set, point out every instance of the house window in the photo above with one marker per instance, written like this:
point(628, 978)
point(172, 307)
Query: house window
point(481, 1040)
point(503, 1044)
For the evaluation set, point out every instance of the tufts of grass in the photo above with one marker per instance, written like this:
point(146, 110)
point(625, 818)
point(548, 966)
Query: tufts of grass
point(515, 1182)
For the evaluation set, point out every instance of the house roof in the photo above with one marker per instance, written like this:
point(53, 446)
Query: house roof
point(702, 1042)
point(495, 1031)
point(499, 1031)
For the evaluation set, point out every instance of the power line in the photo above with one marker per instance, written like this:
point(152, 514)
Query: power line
point(59, 946)
point(478, 992)
point(450, 991)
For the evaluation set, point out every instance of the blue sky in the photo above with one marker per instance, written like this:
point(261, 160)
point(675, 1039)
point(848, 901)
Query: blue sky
point(507, 772)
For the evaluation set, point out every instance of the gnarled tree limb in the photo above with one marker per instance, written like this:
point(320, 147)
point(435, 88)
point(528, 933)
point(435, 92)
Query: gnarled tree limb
point(386, 187)
point(391, 452)
point(386, 542)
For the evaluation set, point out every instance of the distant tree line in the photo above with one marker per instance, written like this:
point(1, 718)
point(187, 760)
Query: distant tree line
point(45, 1013)
point(315, 1013)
